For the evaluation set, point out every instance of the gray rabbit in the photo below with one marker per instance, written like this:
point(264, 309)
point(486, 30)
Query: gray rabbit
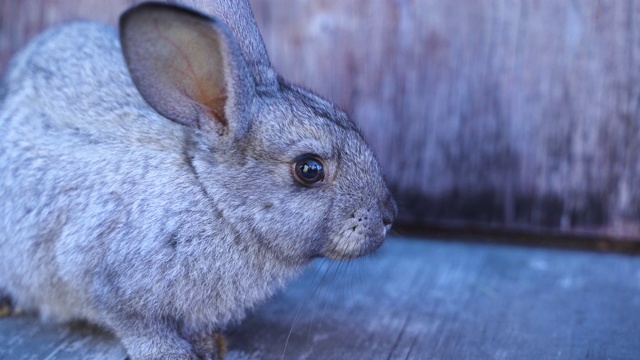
point(161, 180)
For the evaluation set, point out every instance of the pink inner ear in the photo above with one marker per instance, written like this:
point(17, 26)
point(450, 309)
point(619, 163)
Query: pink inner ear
point(196, 66)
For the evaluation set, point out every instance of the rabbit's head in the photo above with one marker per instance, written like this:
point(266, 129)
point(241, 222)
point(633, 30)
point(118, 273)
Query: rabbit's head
point(284, 167)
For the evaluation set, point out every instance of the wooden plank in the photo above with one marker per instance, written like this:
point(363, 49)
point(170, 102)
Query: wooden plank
point(516, 114)
point(416, 300)
point(440, 300)
point(25, 338)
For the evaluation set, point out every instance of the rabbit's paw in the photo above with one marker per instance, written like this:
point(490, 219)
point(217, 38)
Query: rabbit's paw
point(209, 346)
point(6, 305)
point(154, 341)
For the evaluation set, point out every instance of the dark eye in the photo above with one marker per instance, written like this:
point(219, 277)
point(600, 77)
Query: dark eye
point(308, 169)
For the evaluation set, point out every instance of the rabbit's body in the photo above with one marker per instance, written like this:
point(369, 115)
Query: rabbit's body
point(163, 231)
point(151, 193)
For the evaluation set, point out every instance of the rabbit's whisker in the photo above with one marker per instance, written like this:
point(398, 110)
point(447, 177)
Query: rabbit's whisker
point(310, 296)
point(321, 283)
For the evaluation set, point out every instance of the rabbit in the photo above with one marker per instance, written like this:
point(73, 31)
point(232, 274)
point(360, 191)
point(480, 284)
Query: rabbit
point(161, 179)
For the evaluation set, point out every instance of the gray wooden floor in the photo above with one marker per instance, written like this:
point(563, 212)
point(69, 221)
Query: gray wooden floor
point(416, 299)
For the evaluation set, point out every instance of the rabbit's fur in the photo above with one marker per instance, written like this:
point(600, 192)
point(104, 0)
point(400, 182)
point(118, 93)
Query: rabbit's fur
point(163, 228)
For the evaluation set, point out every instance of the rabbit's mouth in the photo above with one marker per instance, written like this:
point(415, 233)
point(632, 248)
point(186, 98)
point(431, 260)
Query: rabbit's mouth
point(361, 234)
point(354, 250)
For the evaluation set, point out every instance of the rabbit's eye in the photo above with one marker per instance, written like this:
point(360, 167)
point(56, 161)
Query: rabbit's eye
point(308, 170)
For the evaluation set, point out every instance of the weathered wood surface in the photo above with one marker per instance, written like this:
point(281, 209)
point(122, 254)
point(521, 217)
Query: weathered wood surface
point(417, 300)
point(522, 114)
point(516, 114)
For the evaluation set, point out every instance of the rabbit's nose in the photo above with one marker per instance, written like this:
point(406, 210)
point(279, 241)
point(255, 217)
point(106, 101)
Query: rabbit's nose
point(389, 211)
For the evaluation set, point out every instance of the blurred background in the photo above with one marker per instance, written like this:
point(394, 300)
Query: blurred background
point(487, 115)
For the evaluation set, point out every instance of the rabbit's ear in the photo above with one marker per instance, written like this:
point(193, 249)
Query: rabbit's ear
point(187, 67)
point(238, 17)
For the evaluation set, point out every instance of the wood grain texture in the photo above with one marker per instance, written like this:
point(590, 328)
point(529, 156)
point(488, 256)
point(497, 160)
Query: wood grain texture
point(521, 114)
point(513, 114)
point(21, 20)
point(25, 338)
point(417, 300)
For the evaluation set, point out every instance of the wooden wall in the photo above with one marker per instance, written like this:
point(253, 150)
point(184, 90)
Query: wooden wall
point(493, 113)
